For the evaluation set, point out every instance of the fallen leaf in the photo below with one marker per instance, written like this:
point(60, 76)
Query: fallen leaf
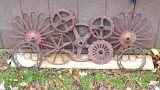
point(91, 85)
point(76, 78)
point(23, 84)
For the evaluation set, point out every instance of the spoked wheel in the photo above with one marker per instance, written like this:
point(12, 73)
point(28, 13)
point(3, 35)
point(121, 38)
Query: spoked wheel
point(27, 55)
point(137, 57)
point(101, 27)
point(81, 42)
point(58, 48)
point(63, 20)
point(100, 52)
point(131, 29)
point(32, 28)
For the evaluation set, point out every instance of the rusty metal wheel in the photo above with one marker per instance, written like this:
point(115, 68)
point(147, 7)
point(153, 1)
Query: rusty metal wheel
point(137, 55)
point(32, 28)
point(58, 48)
point(101, 27)
point(131, 29)
point(100, 52)
point(81, 42)
point(63, 20)
point(27, 55)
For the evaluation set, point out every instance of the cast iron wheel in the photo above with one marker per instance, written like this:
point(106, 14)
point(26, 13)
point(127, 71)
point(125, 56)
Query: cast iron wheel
point(100, 52)
point(27, 55)
point(139, 55)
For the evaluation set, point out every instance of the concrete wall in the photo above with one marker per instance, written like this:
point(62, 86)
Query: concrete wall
point(84, 10)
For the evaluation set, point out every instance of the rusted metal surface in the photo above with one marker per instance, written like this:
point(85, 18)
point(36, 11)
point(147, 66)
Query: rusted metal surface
point(57, 44)
point(100, 52)
point(34, 35)
point(63, 20)
point(28, 28)
point(81, 42)
point(132, 49)
point(30, 52)
point(101, 27)
point(131, 29)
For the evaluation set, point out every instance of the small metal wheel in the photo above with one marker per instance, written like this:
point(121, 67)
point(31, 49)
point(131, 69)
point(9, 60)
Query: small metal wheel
point(27, 55)
point(63, 20)
point(100, 52)
point(58, 48)
point(101, 27)
point(131, 54)
point(81, 42)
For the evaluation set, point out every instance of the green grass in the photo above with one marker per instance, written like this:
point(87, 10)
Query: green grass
point(14, 77)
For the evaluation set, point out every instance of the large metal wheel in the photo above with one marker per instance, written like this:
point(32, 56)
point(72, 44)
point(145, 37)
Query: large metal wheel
point(32, 28)
point(59, 48)
point(131, 29)
point(81, 42)
point(27, 55)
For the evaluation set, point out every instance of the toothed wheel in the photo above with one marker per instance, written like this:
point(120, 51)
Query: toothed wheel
point(131, 29)
point(81, 42)
point(59, 48)
point(139, 57)
point(27, 55)
point(31, 28)
point(63, 20)
point(100, 52)
point(101, 27)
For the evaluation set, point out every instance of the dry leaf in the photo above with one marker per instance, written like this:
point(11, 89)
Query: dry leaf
point(23, 84)
point(3, 68)
point(76, 78)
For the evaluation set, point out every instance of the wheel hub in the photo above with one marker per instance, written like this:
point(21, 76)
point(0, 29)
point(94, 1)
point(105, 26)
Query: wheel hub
point(33, 36)
point(127, 38)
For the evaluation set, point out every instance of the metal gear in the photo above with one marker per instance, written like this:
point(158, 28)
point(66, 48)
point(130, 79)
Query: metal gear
point(31, 28)
point(101, 27)
point(30, 53)
point(63, 20)
point(131, 29)
point(81, 42)
point(137, 54)
point(100, 52)
point(58, 44)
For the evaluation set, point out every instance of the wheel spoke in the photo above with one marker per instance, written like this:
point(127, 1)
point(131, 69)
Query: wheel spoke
point(59, 15)
point(79, 51)
point(67, 18)
point(45, 28)
point(19, 26)
point(41, 24)
point(49, 52)
point(87, 36)
point(95, 27)
point(76, 33)
point(53, 41)
point(65, 44)
point(49, 46)
point(66, 51)
point(55, 56)
point(18, 31)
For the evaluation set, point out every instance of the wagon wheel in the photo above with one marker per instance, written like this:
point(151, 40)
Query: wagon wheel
point(58, 45)
point(101, 27)
point(32, 28)
point(100, 52)
point(29, 50)
point(63, 20)
point(131, 29)
point(139, 56)
point(81, 42)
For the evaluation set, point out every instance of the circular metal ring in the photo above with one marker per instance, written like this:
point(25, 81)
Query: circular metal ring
point(30, 50)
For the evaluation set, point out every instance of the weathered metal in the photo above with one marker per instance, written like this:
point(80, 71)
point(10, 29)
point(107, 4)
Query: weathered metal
point(58, 44)
point(101, 27)
point(81, 42)
point(30, 52)
point(63, 20)
point(100, 52)
point(138, 55)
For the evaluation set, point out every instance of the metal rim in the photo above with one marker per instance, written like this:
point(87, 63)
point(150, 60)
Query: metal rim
point(120, 54)
point(30, 46)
